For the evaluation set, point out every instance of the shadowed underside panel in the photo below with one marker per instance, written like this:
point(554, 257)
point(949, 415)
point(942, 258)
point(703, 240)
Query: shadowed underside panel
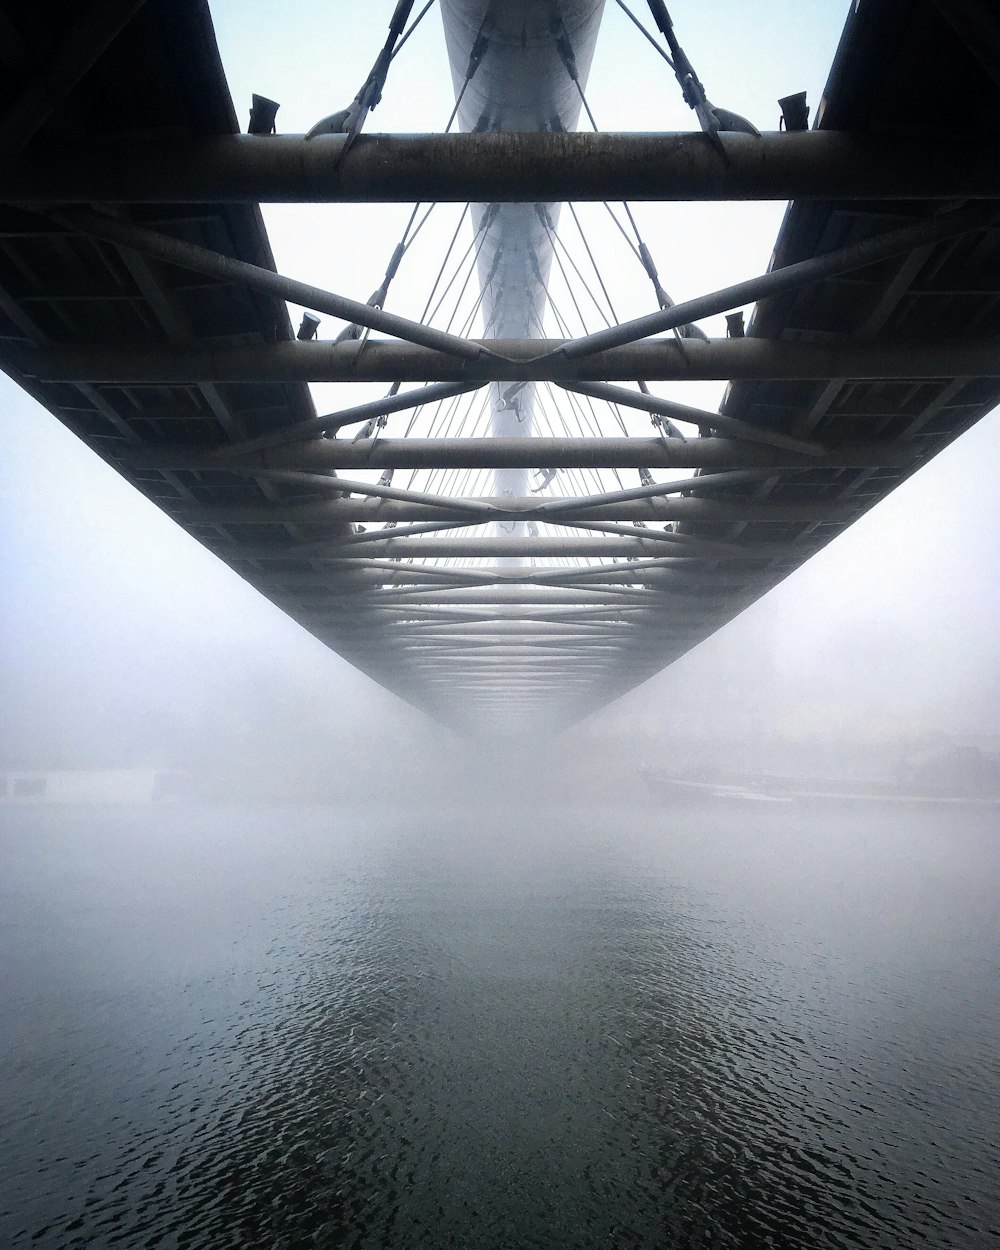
point(164, 367)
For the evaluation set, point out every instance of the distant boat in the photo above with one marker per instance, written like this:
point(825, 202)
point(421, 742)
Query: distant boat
point(785, 790)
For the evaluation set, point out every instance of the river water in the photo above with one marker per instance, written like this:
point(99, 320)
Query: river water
point(540, 1026)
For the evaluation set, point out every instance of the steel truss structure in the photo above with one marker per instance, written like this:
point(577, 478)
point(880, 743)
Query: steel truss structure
point(140, 303)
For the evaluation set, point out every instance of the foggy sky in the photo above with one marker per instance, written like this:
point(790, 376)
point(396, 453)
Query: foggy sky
point(120, 630)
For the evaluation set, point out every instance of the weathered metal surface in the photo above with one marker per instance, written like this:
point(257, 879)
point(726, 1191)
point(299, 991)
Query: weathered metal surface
point(232, 270)
point(321, 455)
point(793, 276)
point(751, 359)
point(881, 368)
point(504, 508)
point(386, 547)
point(509, 168)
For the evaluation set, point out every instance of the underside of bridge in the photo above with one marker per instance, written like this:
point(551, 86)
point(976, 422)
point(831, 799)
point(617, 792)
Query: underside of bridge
point(140, 304)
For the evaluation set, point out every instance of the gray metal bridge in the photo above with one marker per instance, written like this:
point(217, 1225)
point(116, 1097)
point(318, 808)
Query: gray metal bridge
point(140, 304)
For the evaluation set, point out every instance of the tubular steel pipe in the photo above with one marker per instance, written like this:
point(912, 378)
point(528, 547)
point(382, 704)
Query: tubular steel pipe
point(375, 511)
point(508, 167)
point(430, 622)
point(538, 598)
point(554, 631)
point(203, 260)
point(520, 645)
point(363, 599)
point(626, 596)
point(645, 503)
point(470, 661)
point(535, 453)
point(788, 278)
point(530, 633)
point(587, 620)
point(472, 646)
point(534, 508)
point(476, 509)
point(707, 481)
point(505, 651)
point(500, 548)
point(532, 640)
point(334, 563)
point(333, 421)
point(731, 427)
point(470, 618)
point(531, 360)
point(400, 631)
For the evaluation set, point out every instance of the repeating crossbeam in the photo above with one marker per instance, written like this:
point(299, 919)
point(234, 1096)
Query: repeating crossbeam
point(510, 534)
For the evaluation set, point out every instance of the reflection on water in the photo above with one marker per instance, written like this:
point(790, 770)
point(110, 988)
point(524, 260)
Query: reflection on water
point(313, 1027)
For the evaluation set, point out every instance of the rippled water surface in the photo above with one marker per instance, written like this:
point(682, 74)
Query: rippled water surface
point(325, 1027)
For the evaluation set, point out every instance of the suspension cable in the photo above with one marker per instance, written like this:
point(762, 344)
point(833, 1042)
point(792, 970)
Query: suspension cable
point(566, 282)
point(565, 50)
point(556, 242)
point(593, 261)
point(444, 265)
point(632, 18)
point(419, 18)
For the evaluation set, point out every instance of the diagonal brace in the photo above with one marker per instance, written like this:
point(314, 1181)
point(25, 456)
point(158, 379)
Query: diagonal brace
point(173, 251)
point(731, 427)
point(787, 278)
point(334, 421)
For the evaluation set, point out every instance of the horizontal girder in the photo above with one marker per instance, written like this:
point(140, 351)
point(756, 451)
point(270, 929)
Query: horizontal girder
point(533, 360)
point(384, 546)
point(373, 511)
point(194, 388)
point(508, 167)
point(321, 455)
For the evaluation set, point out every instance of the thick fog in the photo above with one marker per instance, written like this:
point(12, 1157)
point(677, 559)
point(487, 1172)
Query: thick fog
point(126, 643)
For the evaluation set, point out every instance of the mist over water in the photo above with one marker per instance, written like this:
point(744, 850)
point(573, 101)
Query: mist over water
point(494, 996)
point(517, 1022)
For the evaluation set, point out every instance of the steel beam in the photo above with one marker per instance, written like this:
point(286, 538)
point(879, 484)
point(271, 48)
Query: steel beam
point(543, 596)
point(503, 634)
point(400, 643)
point(613, 628)
point(510, 167)
point(376, 511)
point(483, 664)
point(513, 360)
point(489, 507)
point(860, 255)
point(545, 575)
point(707, 422)
point(386, 547)
point(526, 668)
point(230, 269)
point(434, 619)
point(321, 455)
point(403, 647)
point(399, 631)
point(334, 421)
point(514, 635)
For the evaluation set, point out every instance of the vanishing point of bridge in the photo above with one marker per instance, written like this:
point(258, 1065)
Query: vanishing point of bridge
point(527, 524)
